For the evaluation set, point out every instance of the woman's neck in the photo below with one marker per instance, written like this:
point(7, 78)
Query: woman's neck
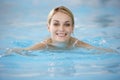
point(60, 44)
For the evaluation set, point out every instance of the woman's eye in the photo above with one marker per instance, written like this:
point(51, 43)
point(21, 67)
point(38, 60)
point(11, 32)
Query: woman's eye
point(56, 24)
point(67, 25)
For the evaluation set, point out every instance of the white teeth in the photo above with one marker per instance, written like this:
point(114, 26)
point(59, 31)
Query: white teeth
point(61, 34)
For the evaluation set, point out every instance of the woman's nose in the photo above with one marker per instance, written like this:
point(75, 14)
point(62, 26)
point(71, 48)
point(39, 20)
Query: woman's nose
point(61, 28)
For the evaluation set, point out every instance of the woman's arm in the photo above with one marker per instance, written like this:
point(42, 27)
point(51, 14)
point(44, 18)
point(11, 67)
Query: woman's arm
point(88, 46)
point(38, 46)
point(23, 51)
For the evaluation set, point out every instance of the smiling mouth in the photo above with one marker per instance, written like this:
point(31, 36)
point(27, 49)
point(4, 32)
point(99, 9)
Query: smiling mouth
point(61, 34)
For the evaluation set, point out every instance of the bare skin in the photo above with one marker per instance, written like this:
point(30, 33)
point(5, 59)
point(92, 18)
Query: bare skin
point(50, 45)
point(79, 44)
point(61, 26)
point(60, 29)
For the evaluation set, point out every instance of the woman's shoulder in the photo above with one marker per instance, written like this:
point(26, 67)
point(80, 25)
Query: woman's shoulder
point(47, 41)
point(82, 44)
point(40, 45)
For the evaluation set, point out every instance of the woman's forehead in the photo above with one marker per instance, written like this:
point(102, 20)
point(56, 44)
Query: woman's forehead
point(61, 16)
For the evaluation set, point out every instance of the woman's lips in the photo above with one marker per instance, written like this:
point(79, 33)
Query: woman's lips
point(61, 34)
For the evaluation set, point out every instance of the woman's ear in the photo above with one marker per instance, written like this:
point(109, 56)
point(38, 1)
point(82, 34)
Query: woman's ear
point(48, 26)
point(72, 29)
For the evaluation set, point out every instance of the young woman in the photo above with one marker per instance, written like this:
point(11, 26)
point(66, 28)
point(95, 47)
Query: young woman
point(60, 25)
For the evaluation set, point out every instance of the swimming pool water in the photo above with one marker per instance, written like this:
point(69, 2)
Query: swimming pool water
point(60, 65)
point(78, 64)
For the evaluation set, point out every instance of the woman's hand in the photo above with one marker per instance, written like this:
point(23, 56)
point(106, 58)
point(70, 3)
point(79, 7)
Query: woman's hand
point(107, 50)
point(21, 51)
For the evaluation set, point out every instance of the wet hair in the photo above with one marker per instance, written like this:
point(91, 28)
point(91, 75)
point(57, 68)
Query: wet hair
point(60, 9)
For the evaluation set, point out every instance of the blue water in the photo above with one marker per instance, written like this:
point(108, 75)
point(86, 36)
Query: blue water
point(78, 64)
point(23, 23)
point(61, 65)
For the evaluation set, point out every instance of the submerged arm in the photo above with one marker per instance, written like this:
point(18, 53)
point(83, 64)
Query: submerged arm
point(38, 46)
point(23, 51)
point(88, 46)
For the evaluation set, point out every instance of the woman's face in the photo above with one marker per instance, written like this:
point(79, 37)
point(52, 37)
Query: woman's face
point(60, 27)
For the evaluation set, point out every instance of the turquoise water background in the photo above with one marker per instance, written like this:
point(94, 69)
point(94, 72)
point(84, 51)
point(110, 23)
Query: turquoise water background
point(23, 23)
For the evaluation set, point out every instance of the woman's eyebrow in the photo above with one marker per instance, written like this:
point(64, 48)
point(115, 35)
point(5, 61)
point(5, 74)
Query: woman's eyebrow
point(67, 21)
point(56, 20)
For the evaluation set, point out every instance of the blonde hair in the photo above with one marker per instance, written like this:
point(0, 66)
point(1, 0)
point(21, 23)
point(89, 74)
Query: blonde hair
point(60, 9)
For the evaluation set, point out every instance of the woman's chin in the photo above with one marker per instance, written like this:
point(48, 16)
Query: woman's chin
point(61, 40)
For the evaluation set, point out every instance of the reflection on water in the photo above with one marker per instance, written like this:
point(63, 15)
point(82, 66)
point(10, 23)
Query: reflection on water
point(53, 64)
point(96, 23)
